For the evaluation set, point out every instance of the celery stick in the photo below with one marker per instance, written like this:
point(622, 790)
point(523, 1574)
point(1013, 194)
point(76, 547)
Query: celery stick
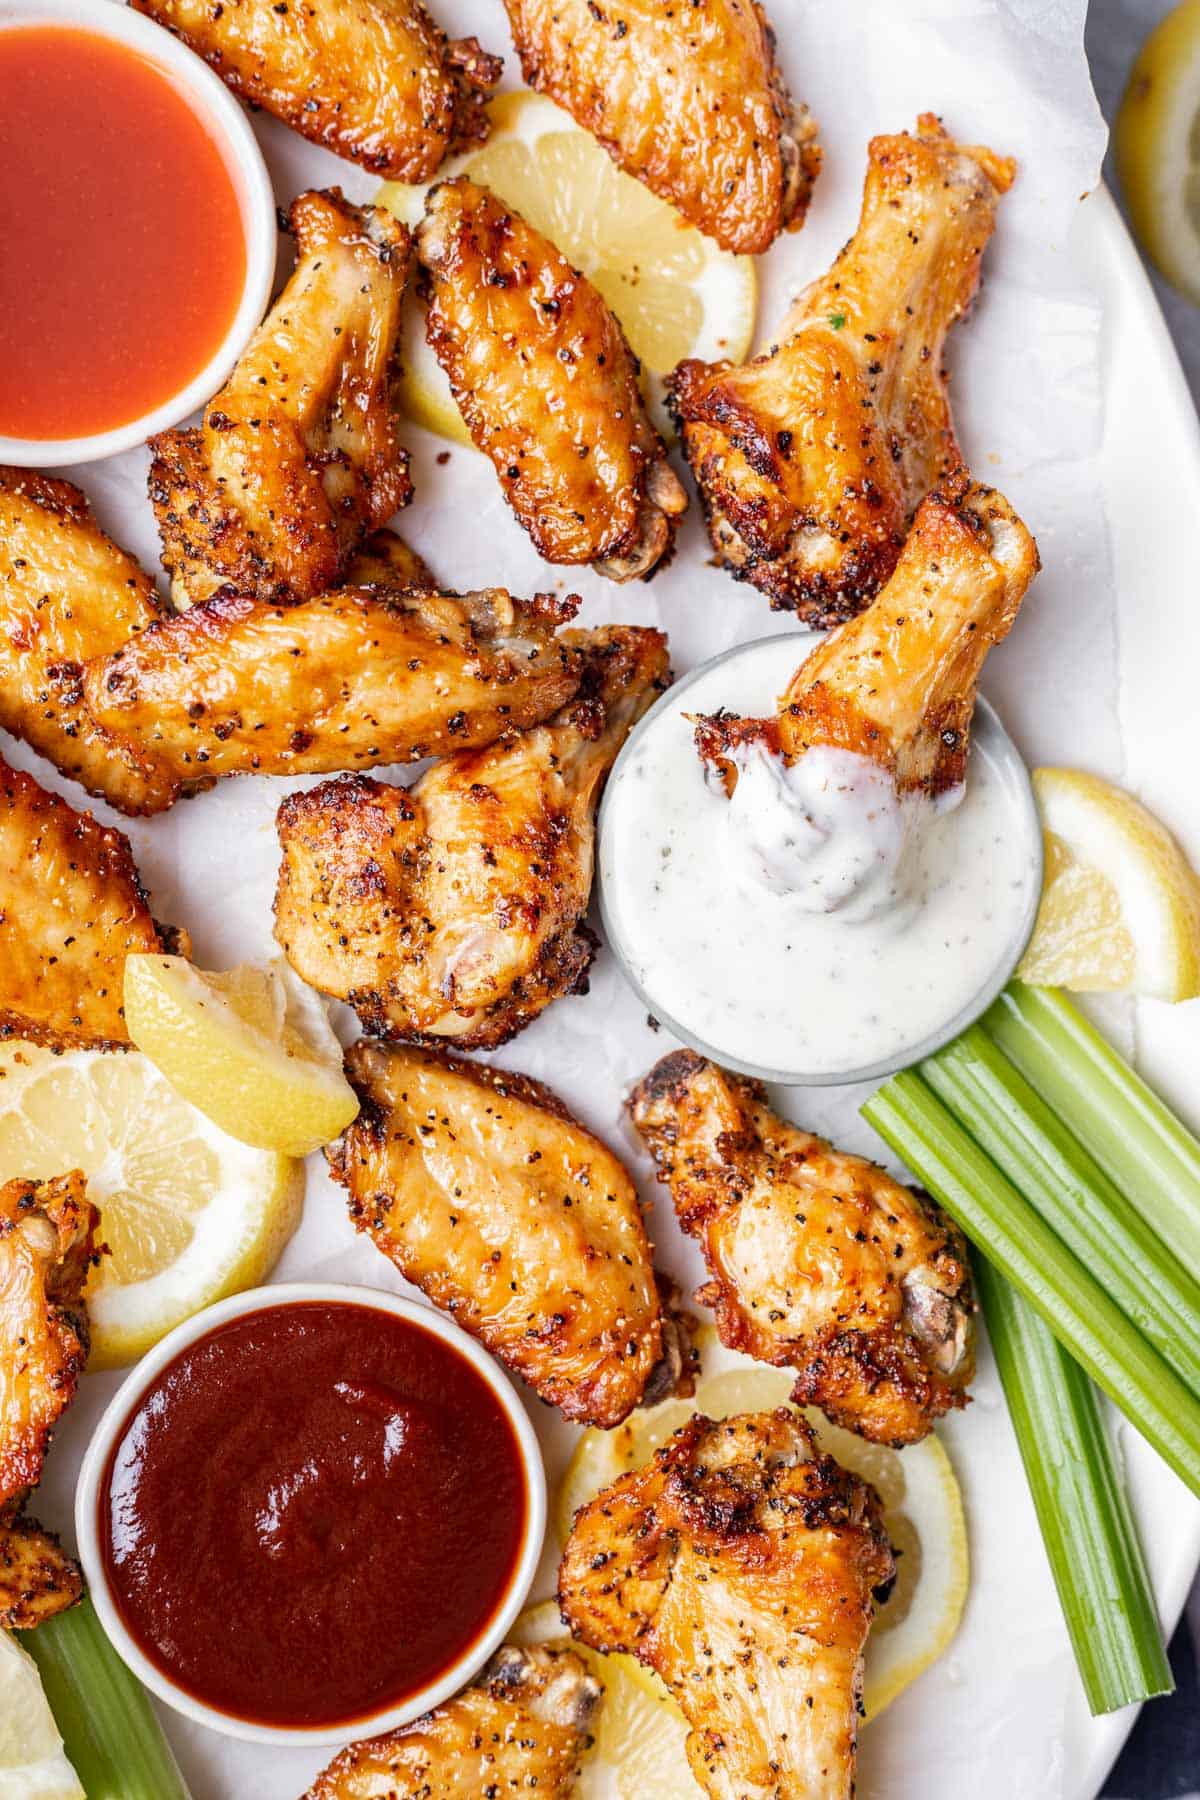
point(115, 1742)
point(1090, 1537)
point(1051, 1168)
point(909, 1116)
point(1134, 1136)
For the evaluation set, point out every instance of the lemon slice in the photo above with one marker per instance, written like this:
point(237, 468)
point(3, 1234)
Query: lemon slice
point(252, 1048)
point(922, 1510)
point(1120, 903)
point(188, 1213)
point(674, 291)
point(33, 1763)
point(1157, 145)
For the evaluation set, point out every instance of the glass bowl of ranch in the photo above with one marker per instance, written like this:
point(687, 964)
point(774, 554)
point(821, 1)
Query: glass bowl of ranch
point(814, 928)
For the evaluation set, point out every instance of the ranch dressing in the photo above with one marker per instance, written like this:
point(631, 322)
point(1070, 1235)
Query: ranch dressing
point(817, 923)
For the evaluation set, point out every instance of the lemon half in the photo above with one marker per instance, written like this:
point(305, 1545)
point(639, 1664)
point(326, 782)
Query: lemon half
point(1120, 904)
point(675, 292)
point(33, 1763)
point(188, 1213)
point(1156, 141)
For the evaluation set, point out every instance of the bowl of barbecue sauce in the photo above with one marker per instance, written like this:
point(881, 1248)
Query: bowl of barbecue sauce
point(311, 1513)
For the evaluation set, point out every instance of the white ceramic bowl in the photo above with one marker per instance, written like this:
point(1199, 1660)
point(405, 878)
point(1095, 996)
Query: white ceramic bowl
point(211, 100)
point(125, 1401)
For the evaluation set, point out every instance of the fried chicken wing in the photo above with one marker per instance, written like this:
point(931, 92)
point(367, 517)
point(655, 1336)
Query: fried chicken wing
point(740, 1565)
point(453, 909)
point(688, 99)
point(353, 678)
point(374, 80)
point(71, 910)
point(299, 455)
point(67, 592)
point(812, 459)
point(37, 1577)
point(897, 685)
point(547, 386)
point(522, 1726)
point(483, 1190)
point(819, 1260)
point(384, 560)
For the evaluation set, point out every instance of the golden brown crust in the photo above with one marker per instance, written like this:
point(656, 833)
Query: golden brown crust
point(812, 458)
point(37, 1577)
point(487, 1194)
point(820, 1262)
point(299, 455)
point(372, 80)
point(547, 387)
point(688, 99)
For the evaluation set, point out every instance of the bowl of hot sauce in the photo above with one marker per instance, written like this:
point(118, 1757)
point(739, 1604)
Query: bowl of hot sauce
point(311, 1513)
point(139, 240)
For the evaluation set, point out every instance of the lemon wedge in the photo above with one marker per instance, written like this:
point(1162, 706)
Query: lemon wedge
point(33, 1763)
point(1157, 145)
point(252, 1048)
point(674, 291)
point(922, 1510)
point(188, 1213)
point(1120, 903)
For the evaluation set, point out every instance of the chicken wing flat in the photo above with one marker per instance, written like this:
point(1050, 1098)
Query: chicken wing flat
point(358, 677)
point(688, 99)
point(453, 909)
point(374, 81)
point(67, 592)
point(898, 684)
point(71, 910)
point(47, 1244)
point(819, 1260)
point(298, 456)
point(812, 458)
point(483, 1190)
point(37, 1577)
point(521, 1727)
point(740, 1565)
point(547, 387)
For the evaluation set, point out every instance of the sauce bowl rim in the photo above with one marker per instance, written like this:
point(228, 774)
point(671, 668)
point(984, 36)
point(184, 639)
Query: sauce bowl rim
point(130, 1394)
point(228, 125)
point(985, 722)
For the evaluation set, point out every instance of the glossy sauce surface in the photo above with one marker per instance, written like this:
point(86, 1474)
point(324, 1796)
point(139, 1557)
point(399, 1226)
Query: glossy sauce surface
point(123, 255)
point(313, 1510)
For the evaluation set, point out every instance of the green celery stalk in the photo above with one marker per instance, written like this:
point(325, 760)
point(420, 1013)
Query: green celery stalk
point(1082, 1508)
point(924, 1132)
point(1134, 1136)
point(111, 1734)
point(1071, 1192)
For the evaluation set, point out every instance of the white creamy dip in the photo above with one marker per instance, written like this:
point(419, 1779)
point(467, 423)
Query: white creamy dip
point(817, 923)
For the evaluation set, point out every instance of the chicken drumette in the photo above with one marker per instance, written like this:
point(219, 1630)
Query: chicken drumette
point(812, 458)
point(452, 910)
point(375, 81)
point(298, 456)
point(687, 98)
point(741, 1566)
point(547, 386)
point(522, 1726)
point(820, 1262)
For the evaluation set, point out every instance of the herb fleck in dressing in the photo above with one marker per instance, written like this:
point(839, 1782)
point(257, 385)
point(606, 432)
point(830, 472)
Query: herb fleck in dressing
point(817, 921)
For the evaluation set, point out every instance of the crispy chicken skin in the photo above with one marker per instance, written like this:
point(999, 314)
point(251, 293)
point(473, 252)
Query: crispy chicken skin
point(688, 99)
point(741, 1566)
point(371, 80)
point(520, 1728)
point(485, 1192)
point(298, 456)
point(812, 458)
point(898, 684)
point(67, 592)
point(384, 560)
point(71, 909)
point(453, 909)
point(37, 1577)
point(547, 387)
point(351, 679)
point(819, 1260)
